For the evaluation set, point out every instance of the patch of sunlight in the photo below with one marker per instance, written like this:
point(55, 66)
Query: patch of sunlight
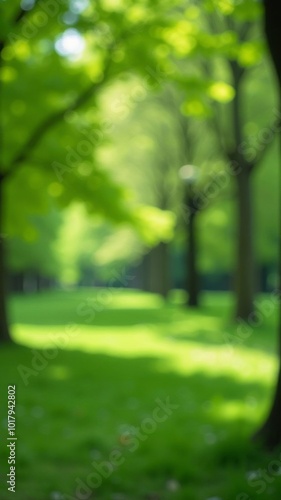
point(246, 408)
point(231, 410)
point(241, 363)
point(250, 53)
point(219, 360)
point(55, 189)
point(219, 217)
point(129, 300)
point(195, 107)
point(58, 372)
point(85, 169)
point(70, 44)
point(221, 92)
point(137, 14)
point(182, 37)
point(194, 325)
point(113, 5)
point(192, 12)
point(8, 74)
point(226, 6)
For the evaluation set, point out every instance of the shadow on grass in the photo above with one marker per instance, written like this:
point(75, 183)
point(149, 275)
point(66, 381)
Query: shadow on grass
point(86, 308)
point(209, 325)
point(78, 407)
point(101, 307)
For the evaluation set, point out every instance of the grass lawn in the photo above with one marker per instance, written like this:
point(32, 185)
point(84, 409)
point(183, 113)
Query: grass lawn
point(170, 395)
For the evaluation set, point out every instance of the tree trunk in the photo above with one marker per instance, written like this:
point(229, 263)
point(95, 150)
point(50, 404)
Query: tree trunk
point(4, 328)
point(245, 270)
point(156, 270)
point(270, 432)
point(192, 273)
point(245, 266)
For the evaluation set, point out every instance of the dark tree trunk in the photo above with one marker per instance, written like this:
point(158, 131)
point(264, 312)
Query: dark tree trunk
point(4, 328)
point(245, 255)
point(192, 273)
point(263, 278)
point(156, 270)
point(270, 432)
point(245, 266)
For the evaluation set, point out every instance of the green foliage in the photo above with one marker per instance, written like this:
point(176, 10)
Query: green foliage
point(93, 247)
point(155, 225)
point(47, 74)
point(121, 147)
point(35, 249)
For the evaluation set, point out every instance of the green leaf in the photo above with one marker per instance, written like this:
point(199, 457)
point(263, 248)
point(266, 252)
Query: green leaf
point(154, 225)
point(250, 53)
point(221, 92)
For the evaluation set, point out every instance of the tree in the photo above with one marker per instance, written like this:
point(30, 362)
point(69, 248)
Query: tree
point(149, 167)
point(188, 175)
point(240, 19)
point(31, 259)
point(221, 50)
point(20, 27)
point(270, 432)
point(4, 328)
point(49, 72)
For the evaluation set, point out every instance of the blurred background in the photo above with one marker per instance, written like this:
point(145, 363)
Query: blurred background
point(138, 248)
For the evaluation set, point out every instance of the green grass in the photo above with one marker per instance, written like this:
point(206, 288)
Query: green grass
point(103, 381)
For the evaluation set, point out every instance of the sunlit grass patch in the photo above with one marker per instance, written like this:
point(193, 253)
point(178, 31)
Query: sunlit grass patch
point(97, 380)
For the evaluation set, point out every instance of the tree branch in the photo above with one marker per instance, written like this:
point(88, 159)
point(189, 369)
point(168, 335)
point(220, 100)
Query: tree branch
point(182, 123)
point(237, 74)
point(244, 31)
point(215, 117)
point(18, 17)
point(22, 13)
point(48, 123)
